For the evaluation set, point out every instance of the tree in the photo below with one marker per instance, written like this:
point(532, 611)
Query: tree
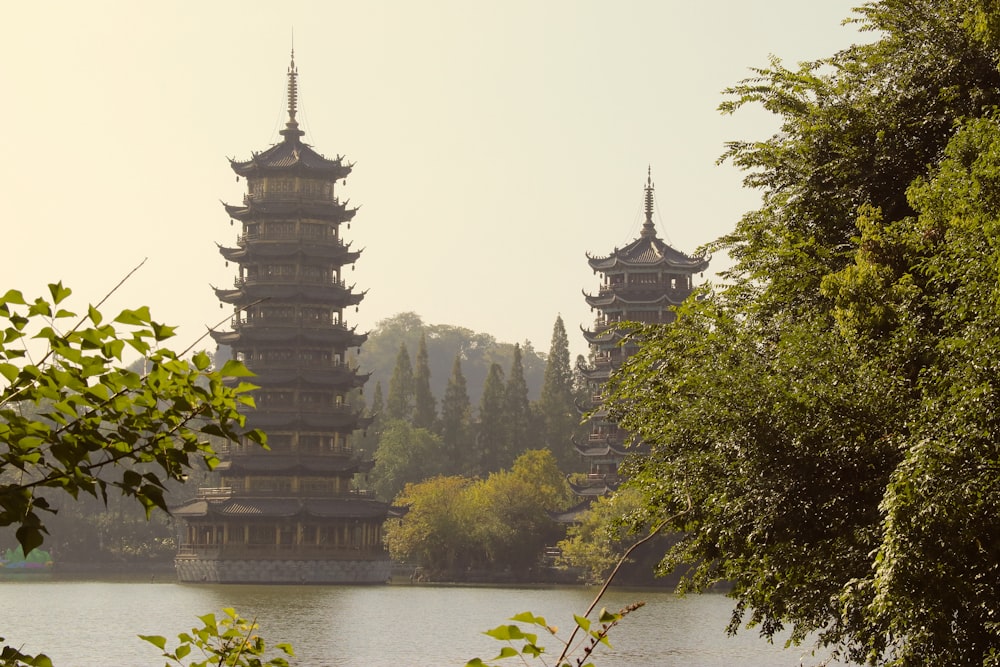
point(77, 421)
point(491, 436)
point(399, 402)
point(425, 407)
point(437, 527)
point(829, 414)
point(517, 409)
point(556, 404)
point(456, 421)
point(405, 454)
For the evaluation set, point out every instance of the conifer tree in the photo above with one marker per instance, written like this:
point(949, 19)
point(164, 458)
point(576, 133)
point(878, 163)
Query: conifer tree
point(365, 442)
point(399, 403)
point(491, 439)
point(517, 411)
point(456, 419)
point(556, 404)
point(425, 407)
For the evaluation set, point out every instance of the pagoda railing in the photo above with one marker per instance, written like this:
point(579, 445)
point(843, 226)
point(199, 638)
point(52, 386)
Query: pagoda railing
point(292, 196)
point(291, 322)
point(284, 551)
point(240, 281)
point(270, 235)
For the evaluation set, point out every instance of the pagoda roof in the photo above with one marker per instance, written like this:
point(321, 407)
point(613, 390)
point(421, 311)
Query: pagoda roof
point(574, 513)
point(252, 335)
point(609, 336)
point(648, 251)
point(595, 486)
point(258, 209)
point(256, 290)
point(292, 155)
point(609, 299)
point(250, 507)
point(303, 248)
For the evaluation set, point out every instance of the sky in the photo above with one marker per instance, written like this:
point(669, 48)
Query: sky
point(495, 143)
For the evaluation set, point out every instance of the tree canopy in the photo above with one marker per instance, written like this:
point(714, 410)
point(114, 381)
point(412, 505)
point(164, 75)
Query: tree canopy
point(830, 411)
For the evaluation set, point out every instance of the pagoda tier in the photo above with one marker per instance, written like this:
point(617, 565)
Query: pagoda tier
point(248, 336)
point(251, 291)
point(641, 283)
point(291, 206)
point(311, 249)
point(291, 513)
point(341, 419)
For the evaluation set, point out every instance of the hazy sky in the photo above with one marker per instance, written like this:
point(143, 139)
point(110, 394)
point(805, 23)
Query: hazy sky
point(495, 142)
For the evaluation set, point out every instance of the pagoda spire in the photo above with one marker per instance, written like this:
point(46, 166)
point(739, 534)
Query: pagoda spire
point(292, 131)
point(648, 228)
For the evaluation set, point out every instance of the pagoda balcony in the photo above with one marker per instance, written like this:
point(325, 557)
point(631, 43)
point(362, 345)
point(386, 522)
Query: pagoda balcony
point(273, 235)
point(308, 197)
point(242, 281)
point(238, 322)
point(291, 407)
point(215, 493)
point(268, 364)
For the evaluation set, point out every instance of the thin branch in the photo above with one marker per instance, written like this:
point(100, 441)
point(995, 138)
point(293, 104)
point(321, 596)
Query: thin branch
point(614, 572)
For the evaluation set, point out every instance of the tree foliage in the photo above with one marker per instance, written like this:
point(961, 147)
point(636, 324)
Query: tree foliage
point(456, 422)
point(556, 404)
point(830, 412)
point(424, 404)
point(402, 388)
point(495, 524)
point(77, 421)
point(405, 454)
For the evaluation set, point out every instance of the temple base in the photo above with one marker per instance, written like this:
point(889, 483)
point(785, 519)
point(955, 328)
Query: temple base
point(219, 571)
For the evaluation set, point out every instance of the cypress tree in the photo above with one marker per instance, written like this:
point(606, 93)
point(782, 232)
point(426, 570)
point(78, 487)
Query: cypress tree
point(556, 404)
point(425, 407)
point(517, 411)
point(492, 436)
point(399, 403)
point(456, 419)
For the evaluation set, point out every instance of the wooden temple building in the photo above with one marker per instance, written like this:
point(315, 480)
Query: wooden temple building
point(639, 283)
point(291, 514)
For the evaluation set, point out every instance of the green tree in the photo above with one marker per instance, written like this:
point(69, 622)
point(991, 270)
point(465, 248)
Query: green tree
point(556, 405)
point(437, 528)
point(829, 414)
point(491, 436)
point(517, 410)
point(405, 454)
point(399, 402)
point(456, 421)
point(425, 407)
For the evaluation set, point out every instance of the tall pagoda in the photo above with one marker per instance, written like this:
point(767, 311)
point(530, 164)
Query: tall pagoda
point(640, 283)
point(290, 515)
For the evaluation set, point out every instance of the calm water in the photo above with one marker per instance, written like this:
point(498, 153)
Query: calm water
point(95, 623)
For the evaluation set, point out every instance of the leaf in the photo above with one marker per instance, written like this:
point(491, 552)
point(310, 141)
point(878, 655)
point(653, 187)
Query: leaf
point(94, 315)
point(584, 623)
point(156, 640)
point(9, 371)
point(59, 292)
point(235, 369)
point(13, 296)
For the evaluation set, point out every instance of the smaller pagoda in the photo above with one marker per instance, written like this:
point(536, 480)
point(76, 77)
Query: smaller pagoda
point(640, 283)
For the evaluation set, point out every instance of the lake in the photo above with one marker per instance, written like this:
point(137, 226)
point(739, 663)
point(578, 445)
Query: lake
point(95, 623)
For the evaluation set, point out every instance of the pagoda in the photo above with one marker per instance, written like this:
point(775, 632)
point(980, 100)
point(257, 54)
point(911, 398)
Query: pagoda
point(640, 283)
point(291, 514)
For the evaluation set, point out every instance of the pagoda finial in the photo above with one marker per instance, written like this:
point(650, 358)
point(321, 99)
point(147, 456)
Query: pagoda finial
point(292, 126)
point(648, 228)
